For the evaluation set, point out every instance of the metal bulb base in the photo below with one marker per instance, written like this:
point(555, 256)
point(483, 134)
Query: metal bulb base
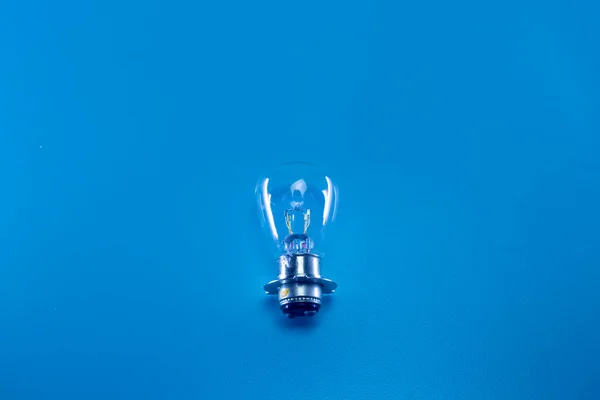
point(300, 285)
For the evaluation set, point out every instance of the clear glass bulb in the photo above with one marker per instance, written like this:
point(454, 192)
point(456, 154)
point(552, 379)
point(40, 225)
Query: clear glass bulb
point(297, 203)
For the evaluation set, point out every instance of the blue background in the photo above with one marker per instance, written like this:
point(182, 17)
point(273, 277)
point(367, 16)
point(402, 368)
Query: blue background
point(464, 137)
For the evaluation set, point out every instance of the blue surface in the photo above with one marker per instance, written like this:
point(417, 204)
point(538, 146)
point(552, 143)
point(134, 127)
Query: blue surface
point(464, 137)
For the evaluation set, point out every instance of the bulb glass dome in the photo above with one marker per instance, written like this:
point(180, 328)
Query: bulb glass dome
point(297, 203)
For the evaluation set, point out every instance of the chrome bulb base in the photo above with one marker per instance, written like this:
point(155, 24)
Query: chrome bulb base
point(299, 285)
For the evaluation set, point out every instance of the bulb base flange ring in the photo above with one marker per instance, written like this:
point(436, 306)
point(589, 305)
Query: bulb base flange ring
point(300, 285)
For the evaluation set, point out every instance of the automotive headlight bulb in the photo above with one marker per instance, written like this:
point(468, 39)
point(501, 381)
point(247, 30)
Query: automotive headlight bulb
point(297, 203)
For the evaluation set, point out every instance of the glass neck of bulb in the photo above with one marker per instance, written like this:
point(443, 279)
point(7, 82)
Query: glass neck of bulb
point(298, 244)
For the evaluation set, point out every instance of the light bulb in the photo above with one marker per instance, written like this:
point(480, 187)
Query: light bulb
point(297, 203)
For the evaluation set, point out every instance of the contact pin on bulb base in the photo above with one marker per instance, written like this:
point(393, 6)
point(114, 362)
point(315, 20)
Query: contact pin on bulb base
point(300, 285)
